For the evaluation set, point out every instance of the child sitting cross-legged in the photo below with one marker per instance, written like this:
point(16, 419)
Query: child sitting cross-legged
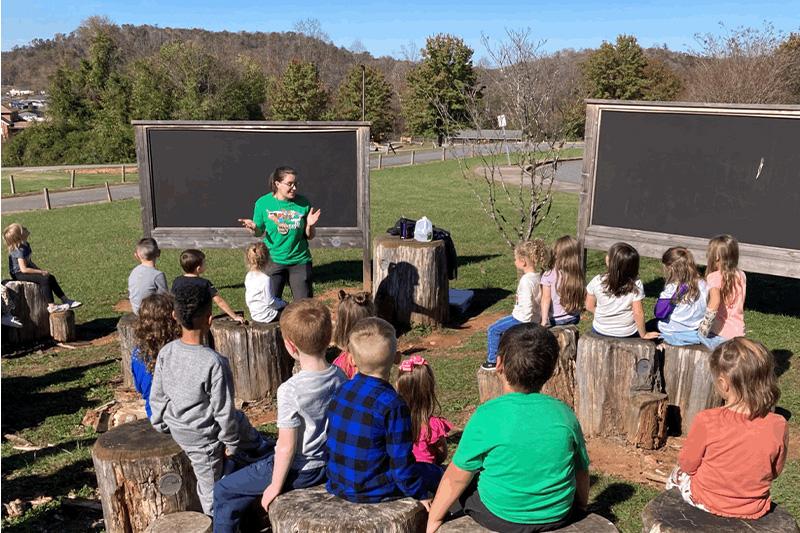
point(370, 456)
point(521, 465)
point(191, 397)
point(299, 458)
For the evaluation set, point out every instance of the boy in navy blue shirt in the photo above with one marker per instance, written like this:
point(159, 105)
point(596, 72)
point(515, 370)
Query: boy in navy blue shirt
point(370, 455)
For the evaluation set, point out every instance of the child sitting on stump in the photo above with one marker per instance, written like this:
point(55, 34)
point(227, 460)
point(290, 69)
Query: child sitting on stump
point(145, 279)
point(526, 449)
point(192, 398)
point(299, 458)
point(369, 428)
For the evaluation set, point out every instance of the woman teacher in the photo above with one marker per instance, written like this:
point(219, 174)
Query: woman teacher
point(287, 221)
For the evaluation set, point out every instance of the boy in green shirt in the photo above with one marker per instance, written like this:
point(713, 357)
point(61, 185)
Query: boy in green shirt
point(526, 449)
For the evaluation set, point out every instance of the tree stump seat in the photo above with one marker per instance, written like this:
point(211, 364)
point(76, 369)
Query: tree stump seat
point(127, 342)
point(141, 475)
point(62, 326)
point(182, 522)
point(561, 384)
point(30, 307)
point(688, 383)
point(257, 356)
point(316, 510)
point(591, 523)
point(668, 513)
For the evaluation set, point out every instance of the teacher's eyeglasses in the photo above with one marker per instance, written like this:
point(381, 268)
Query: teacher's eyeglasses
point(289, 184)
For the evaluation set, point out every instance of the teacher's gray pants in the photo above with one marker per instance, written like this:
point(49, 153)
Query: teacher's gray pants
point(298, 276)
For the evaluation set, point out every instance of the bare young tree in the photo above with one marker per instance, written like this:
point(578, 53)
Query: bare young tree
point(537, 93)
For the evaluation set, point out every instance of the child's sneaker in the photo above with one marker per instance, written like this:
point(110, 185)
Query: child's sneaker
point(72, 303)
point(488, 366)
point(11, 321)
point(57, 308)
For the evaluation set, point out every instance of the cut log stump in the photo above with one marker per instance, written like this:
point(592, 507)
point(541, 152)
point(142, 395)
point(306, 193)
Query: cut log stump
point(183, 522)
point(141, 475)
point(646, 420)
point(127, 342)
point(610, 372)
point(561, 384)
point(315, 510)
point(410, 282)
point(31, 309)
point(592, 523)
point(688, 383)
point(62, 326)
point(668, 513)
point(258, 358)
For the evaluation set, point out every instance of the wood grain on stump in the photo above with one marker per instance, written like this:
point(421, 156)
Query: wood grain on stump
point(127, 342)
point(410, 281)
point(610, 372)
point(315, 510)
point(592, 523)
point(668, 513)
point(31, 310)
point(62, 326)
point(183, 522)
point(561, 384)
point(141, 475)
point(257, 355)
point(688, 383)
point(646, 420)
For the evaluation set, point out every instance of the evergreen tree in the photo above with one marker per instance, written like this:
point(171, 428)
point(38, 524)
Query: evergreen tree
point(377, 99)
point(298, 94)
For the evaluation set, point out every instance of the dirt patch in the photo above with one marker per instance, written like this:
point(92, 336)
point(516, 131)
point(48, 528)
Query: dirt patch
point(648, 467)
point(123, 306)
point(447, 337)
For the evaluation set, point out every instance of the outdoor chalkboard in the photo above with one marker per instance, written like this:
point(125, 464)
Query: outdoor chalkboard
point(198, 178)
point(664, 174)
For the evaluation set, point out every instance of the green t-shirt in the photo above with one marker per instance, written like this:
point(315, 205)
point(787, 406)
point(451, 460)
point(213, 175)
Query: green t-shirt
point(285, 224)
point(527, 448)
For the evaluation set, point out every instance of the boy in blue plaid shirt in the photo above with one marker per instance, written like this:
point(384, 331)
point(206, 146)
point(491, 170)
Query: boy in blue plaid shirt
point(370, 455)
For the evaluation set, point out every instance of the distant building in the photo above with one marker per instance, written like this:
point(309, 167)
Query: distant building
point(481, 136)
point(12, 123)
point(20, 92)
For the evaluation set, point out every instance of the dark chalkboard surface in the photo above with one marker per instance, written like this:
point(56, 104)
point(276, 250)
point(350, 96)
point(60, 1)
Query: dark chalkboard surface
point(208, 178)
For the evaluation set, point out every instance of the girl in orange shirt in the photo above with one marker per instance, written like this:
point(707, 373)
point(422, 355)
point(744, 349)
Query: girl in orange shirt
point(734, 452)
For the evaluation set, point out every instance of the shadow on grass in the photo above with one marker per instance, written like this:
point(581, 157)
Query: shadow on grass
point(782, 361)
point(97, 328)
point(347, 270)
point(483, 300)
point(610, 496)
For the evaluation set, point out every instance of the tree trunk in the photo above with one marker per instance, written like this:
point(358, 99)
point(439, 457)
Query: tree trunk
point(127, 342)
point(561, 384)
point(183, 522)
point(645, 422)
point(62, 326)
point(609, 372)
point(141, 475)
point(258, 358)
point(315, 510)
point(410, 282)
point(668, 513)
point(591, 523)
point(489, 385)
point(689, 384)
point(30, 307)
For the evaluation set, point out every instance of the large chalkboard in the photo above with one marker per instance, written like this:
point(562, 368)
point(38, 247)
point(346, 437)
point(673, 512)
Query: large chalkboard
point(660, 175)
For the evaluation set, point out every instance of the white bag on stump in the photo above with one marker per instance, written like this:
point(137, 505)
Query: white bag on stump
point(423, 230)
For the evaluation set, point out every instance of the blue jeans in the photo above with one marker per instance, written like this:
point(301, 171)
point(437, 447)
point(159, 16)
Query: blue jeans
point(682, 338)
point(565, 320)
point(713, 341)
point(494, 333)
point(234, 493)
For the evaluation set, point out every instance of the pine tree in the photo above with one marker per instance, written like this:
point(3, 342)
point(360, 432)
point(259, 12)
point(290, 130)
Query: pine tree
point(298, 94)
point(377, 99)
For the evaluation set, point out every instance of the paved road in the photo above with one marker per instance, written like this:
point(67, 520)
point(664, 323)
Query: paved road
point(568, 178)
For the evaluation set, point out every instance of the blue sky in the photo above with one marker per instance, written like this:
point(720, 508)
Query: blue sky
point(385, 27)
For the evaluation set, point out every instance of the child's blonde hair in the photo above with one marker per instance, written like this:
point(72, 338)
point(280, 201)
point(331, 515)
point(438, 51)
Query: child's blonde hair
point(352, 308)
point(373, 343)
point(256, 256)
point(14, 235)
point(307, 324)
point(723, 255)
point(418, 388)
point(534, 252)
point(567, 263)
point(749, 368)
point(681, 270)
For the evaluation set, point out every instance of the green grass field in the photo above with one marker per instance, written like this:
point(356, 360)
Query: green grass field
point(57, 180)
point(45, 395)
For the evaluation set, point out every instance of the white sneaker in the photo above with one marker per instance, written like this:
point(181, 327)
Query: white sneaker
point(11, 321)
point(72, 303)
point(57, 308)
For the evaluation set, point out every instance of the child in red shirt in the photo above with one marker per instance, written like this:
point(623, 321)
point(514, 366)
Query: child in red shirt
point(734, 452)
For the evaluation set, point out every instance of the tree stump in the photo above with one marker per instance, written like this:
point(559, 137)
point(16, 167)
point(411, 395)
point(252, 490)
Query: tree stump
point(127, 342)
point(258, 358)
point(62, 326)
point(315, 510)
point(31, 309)
point(646, 420)
point(561, 384)
point(592, 523)
point(183, 522)
point(609, 372)
point(141, 475)
point(688, 383)
point(668, 513)
point(410, 282)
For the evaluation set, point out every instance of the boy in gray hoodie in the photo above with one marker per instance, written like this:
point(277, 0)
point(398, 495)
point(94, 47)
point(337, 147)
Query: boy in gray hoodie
point(192, 398)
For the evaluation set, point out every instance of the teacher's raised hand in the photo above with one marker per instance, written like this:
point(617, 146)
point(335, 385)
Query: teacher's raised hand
point(313, 216)
point(248, 224)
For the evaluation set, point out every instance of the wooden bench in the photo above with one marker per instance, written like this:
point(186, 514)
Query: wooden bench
point(688, 383)
point(592, 523)
point(316, 510)
point(668, 513)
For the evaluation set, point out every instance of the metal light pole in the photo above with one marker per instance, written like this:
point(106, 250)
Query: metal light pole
point(363, 93)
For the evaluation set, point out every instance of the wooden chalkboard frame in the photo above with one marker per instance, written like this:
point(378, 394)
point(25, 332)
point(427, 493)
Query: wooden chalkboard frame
point(333, 237)
point(752, 257)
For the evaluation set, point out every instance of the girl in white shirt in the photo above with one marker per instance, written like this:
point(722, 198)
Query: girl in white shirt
point(263, 306)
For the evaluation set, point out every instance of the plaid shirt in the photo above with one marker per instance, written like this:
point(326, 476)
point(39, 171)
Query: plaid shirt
point(369, 445)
